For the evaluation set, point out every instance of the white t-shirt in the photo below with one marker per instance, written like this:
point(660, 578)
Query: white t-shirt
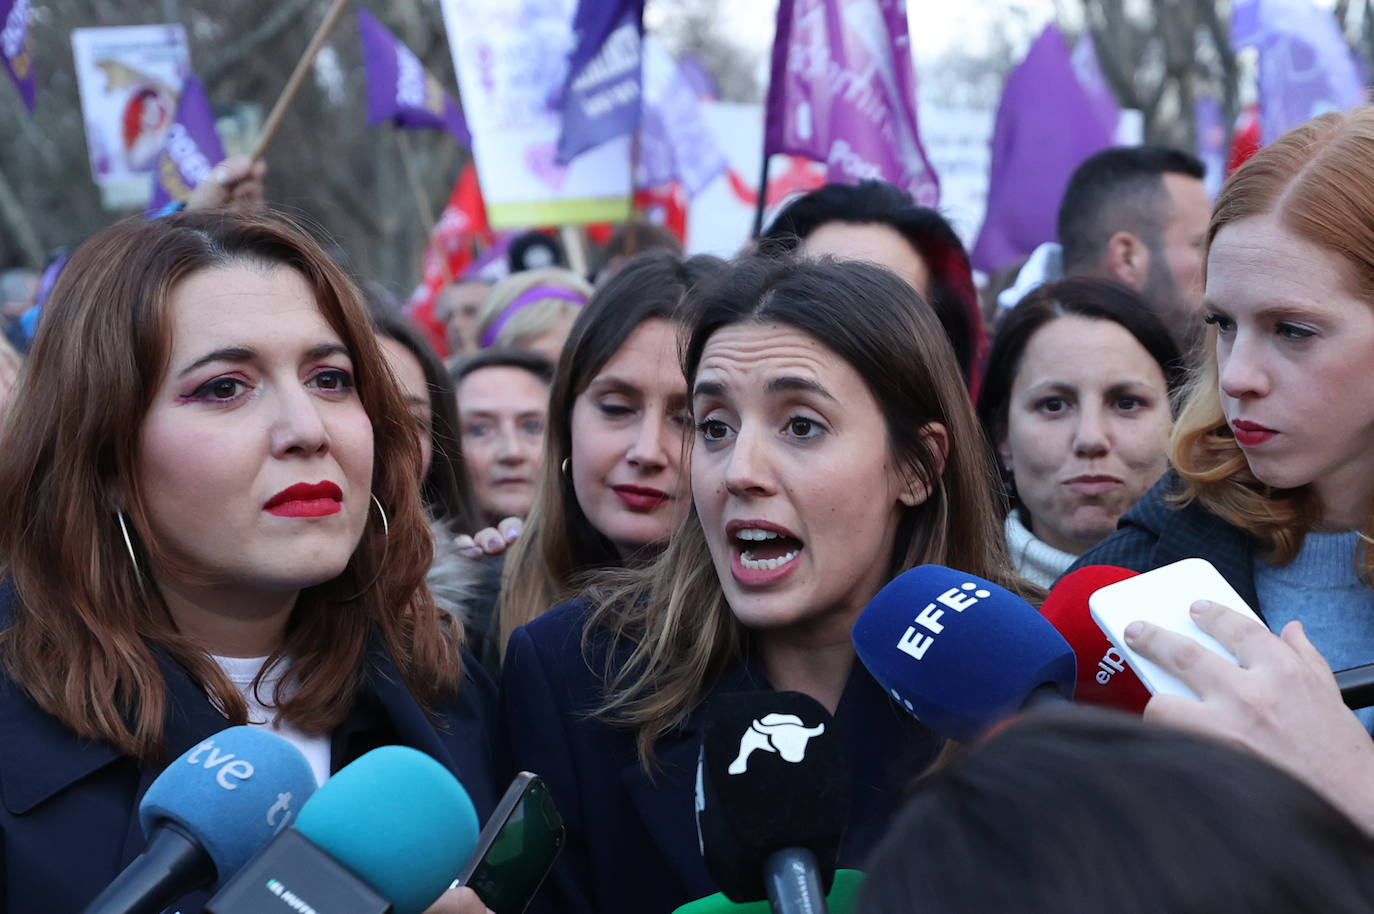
point(241, 671)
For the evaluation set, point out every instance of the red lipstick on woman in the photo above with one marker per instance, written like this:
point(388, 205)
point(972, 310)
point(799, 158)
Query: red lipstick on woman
point(305, 499)
point(641, 498)
point(1250, 434)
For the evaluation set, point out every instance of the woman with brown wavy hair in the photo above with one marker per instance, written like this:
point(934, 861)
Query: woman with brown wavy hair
point(835, 447)
point(1274, 455)
point(209, 517)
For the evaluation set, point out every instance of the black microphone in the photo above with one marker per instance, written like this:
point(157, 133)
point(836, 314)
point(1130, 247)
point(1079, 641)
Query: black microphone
point(1357, 686)
point(772, 799)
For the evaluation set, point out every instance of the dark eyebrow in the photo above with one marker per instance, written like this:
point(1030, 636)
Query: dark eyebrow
point(240, 354)
point(708, 389)
point(796, 385)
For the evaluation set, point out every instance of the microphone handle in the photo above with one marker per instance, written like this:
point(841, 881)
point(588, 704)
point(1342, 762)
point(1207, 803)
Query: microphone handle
point(1357, 686)
point(792, 877)
point(170, 866)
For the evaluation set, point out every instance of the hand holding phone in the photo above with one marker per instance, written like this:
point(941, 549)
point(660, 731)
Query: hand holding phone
point(1162, 597)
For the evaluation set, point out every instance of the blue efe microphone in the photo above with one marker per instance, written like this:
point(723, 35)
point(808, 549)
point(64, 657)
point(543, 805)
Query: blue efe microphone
point(386, 833)
point(959, 652)
point(206, 815)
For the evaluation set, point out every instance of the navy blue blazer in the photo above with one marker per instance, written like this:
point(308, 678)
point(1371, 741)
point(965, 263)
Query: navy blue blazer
point(632, 843)
point(69, 820)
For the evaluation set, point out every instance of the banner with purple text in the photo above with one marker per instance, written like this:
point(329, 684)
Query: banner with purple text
point(675, 142)
point(843, 92)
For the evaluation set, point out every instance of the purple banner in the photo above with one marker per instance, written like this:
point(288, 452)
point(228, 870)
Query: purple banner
point(17, 49)
point(1095, 86)
point(674, 142)
point(191, 150)
point(1046, 126)
point(602, 97)
point(843, 92)
point(1305, 66)
point(400, 89)
point(1209, 122)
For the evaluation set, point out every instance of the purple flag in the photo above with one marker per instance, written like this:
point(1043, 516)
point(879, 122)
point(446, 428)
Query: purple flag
point(601, 99)
point(400, 89)
point(1095, 85)
point(16, 48)
point(843, 92)
point(191, 149)
point(1046, 126)
point(1210, 126)
point(674, 142)
point(1305, 67)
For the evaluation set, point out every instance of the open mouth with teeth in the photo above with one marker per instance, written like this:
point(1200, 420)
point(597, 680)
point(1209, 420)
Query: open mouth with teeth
point(765, 550)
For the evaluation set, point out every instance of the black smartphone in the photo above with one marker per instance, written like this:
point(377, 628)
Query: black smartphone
point(517, 847)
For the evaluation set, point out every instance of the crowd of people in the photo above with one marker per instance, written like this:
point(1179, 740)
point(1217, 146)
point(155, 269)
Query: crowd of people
point(239, 486)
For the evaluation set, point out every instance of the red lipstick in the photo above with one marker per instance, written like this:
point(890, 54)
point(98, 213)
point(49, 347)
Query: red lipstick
point(1251, 434)
point(306, 499)
point(641, 498)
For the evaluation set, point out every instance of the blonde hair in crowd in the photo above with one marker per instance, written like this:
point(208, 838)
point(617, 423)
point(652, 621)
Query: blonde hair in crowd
point(534, 318)
point(1319, 180)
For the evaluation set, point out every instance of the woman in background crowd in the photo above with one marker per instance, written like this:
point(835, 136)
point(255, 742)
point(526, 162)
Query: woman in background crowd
point(835, 447)
point(1077, 406)
point(210, 513)
point(534, 309)
point(612, 487)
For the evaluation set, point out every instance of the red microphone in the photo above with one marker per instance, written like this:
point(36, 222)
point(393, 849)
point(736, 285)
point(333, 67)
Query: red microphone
point(1104, 679)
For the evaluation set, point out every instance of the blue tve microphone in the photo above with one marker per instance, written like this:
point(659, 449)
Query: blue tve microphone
point(959, 652)
point(206, 815)
point(385, 835)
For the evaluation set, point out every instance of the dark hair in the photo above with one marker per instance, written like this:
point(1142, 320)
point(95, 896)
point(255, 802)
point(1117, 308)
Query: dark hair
point(532, 250)
point(952, 293)
point(536, 363)
point(1081, 296)
point(675, 612)
point(1088, 810)
point(446, 489)
point(1120, 188)
point(631, 238)
point(559, 542)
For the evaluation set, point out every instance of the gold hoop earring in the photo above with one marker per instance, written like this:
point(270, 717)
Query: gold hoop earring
point(566, 467)
point(386, 527)
point(128, 542)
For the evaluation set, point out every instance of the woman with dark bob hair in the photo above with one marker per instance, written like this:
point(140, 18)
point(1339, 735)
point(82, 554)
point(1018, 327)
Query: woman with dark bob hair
point(1086, 810)
point(879, 222)
point(210, 517)
point(835, 447)
point(1076, 406)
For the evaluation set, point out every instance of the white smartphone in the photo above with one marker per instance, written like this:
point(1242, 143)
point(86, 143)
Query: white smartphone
point(1162, 597)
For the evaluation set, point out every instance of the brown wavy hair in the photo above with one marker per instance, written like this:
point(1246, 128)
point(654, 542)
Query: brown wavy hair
point(1318, 178)
point(69, 463)
point(674, 613)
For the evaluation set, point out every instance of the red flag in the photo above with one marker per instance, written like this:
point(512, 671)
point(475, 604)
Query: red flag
point(461, 231)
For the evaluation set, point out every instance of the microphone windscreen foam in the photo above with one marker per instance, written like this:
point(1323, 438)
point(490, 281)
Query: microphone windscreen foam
point(399, 821)
point(959, 652)
point(772, 775)
point(231, 793)
point(1104, 679)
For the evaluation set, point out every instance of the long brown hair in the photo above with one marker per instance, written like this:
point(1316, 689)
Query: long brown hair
point(674, 612)
point(85, 631)
point(1318, 178)
point(559, 543)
